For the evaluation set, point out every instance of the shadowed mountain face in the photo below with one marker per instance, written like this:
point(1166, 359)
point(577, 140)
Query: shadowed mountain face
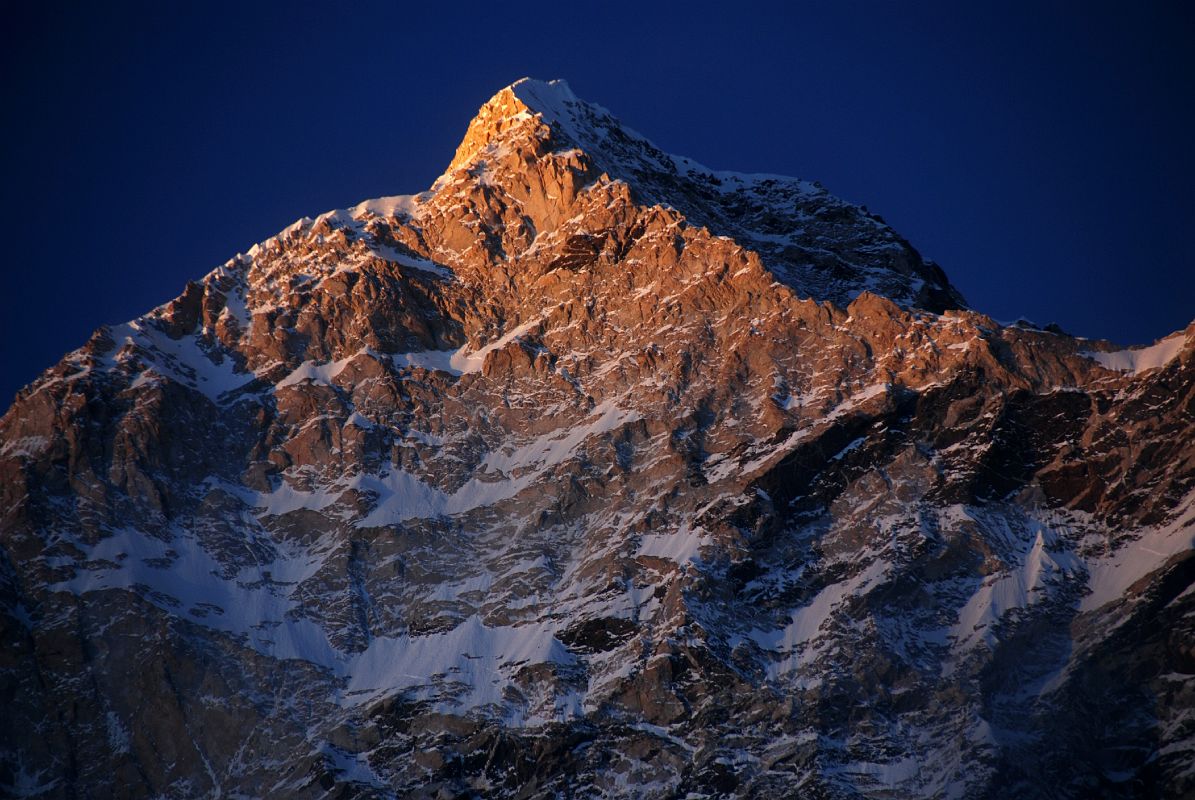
point(591, 472)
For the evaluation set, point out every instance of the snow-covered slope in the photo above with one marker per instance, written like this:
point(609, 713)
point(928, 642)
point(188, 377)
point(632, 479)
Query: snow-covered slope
point(593, 472)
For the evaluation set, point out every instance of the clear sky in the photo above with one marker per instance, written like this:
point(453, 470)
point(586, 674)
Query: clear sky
point(1041, 153)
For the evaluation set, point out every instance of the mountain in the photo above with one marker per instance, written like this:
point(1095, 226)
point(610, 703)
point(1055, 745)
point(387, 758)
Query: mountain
point(592, 472)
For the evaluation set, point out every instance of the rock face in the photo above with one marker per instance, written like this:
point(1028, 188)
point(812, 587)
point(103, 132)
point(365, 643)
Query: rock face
point(592, 472)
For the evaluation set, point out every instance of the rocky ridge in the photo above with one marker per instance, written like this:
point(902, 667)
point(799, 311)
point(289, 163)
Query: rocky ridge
point(594, 472)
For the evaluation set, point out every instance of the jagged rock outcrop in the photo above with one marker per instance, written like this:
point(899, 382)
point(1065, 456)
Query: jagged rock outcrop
point(592, 472)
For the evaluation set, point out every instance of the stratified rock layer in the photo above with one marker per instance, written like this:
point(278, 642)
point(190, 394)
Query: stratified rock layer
point(592, 472)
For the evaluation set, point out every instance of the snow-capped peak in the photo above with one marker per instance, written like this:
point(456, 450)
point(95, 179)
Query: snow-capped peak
point(543, 97)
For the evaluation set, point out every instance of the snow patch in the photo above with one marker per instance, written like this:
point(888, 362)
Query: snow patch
point(808, 622)
point(463, 362)
point(180, 576)
point(1024, 584)
point(465, 668)
point(315, 372)
point(182, 360)
point(403, 496)
point(393, 255)
point(397, 205)
point(1137, 360)
point(1110, 578)
point(682, 546)
point(473, 662)
point(435, 360)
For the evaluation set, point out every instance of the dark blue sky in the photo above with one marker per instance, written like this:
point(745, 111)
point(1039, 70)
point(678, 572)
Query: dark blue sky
point(1040, 153)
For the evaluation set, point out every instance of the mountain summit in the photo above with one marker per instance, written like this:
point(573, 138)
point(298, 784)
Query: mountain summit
point(591, 471)
point(820, 246)
point(520, 101)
